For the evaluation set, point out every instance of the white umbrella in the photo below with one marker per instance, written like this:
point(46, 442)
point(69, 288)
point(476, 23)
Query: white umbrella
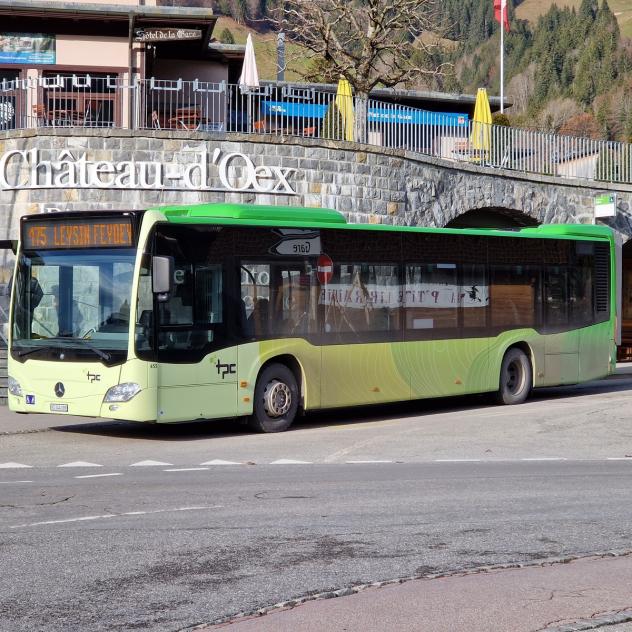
point(249, 75)
point(249, 78)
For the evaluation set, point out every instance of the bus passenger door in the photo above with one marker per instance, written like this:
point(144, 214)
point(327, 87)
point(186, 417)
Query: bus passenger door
point(561, 359)
point(445, 325)
point(362, 341)
point(197, 370)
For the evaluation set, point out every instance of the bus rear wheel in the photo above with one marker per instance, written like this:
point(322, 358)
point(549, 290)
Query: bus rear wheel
point(516, 378)
point(276, 400)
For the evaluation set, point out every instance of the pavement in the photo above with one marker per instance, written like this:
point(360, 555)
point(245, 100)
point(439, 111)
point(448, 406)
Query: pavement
point(583, 594)
point(567, 595)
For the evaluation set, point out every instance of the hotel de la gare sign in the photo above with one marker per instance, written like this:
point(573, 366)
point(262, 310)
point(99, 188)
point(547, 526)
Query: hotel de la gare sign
point(201, 171)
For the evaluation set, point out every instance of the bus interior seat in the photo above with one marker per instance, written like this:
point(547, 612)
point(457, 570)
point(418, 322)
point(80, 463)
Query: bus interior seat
point(259, 317)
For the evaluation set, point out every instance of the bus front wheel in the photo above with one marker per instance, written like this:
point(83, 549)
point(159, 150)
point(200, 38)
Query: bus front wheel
point(276, 399)
point(516, 378)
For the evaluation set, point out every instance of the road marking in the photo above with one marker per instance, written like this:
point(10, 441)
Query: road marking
point(290, 462)
point(352, 448)
point(186, 469)
point(458, 460)
point(11, 482)
point(359, 462)
point(618, 458)
point(545, 458)
point(220, 462)
point(105, 516)
point(80, 464)
point(99, 475)
point(10, 465)
point(148, 463)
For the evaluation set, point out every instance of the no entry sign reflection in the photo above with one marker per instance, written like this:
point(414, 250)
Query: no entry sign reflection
point(324, 269)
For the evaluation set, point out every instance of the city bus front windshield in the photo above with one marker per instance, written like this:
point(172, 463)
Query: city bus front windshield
point(73, 302)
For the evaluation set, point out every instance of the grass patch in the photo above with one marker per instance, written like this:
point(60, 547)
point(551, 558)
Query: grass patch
point(265, 50)
point(531, 10)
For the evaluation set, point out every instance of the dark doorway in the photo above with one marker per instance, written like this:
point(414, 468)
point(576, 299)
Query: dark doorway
point(492, 217)
point(624, 352)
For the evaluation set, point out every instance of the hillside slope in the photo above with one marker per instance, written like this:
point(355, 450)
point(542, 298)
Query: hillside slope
point(531, 10)
point(265, 50)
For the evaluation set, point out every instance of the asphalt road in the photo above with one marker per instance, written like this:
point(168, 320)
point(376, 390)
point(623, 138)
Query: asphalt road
point(108, 526)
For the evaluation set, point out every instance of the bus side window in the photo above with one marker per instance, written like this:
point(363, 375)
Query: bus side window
point(581, 285)
point(255, 298)
point(362, 299)
point(474, 295)
point(513, 296)
point(431, 298)
point(144, 306)
point(556, 303)
point(208, 294)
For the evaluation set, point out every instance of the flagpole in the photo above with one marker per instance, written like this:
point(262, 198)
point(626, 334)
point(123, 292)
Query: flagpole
point(502, 55)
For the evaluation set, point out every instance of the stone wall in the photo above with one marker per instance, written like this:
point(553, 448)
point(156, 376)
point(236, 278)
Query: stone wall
point(366, 184)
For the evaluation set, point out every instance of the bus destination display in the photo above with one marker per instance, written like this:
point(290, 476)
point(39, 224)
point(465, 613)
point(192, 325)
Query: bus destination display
point(78, 233)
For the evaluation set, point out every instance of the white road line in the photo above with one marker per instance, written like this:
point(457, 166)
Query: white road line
point(359, 462)
point(105, 516)
point(458, 460)
point(503, 413)
point(290, 462)
point(13, 466)
point(99, 475)
point(355, 447)
point(11, 482)
point(186, 469)
point(80, 464)
point(545, 458)
point(618, 458)
point(148, 463)
point(220, 462)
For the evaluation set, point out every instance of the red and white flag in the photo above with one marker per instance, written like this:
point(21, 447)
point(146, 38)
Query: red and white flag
point(500, 6)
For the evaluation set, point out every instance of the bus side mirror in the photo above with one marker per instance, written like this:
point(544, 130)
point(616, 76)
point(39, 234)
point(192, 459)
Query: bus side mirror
point(162, 276)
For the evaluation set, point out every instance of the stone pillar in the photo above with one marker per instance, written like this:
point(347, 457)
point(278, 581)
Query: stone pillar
point(33, 94)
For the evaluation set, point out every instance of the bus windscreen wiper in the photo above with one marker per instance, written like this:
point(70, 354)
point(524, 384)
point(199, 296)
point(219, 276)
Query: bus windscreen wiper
point(104, 355)
point(26, 352)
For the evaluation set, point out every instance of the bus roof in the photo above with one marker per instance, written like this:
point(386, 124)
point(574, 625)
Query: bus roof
point(253, 213)
point(301, 217)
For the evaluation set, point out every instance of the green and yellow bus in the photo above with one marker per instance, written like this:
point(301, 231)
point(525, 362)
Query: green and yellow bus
point(223, 310)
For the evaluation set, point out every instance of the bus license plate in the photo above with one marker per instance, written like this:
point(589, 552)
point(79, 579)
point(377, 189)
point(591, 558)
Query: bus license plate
point(59, 408)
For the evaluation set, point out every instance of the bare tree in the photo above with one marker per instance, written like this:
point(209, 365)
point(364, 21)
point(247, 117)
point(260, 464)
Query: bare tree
point(555, 114)
point(369, 42)
point(520, 89)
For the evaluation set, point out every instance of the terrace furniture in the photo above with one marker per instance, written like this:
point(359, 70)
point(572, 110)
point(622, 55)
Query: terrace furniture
point(187, 118)
point(92, 114)
point(40, 115)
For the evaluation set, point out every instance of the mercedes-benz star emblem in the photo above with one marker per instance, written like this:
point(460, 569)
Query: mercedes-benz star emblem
point(59, 389)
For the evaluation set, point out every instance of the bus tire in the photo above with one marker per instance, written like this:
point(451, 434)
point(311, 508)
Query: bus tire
point(516, 377)
point(276, 399)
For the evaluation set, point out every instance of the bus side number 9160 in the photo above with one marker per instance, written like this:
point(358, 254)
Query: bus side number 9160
point(301, 248)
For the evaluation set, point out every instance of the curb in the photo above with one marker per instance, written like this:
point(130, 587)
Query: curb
point(613, 618)
point(589, 624)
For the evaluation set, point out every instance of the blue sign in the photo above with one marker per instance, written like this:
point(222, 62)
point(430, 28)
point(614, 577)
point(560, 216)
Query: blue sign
point(27, 48)
point(30, 399)
point(399, 115)
point(417, 117)
point(290, 108)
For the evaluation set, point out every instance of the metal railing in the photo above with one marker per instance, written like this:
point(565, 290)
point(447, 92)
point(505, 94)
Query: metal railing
point(80, 100)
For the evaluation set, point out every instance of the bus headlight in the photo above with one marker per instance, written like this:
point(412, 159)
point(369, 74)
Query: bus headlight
point(122, 392)
point(14, 387)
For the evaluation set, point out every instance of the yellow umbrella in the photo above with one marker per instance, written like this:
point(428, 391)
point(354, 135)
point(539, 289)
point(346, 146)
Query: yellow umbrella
point(480, 137)
point(344, 103)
